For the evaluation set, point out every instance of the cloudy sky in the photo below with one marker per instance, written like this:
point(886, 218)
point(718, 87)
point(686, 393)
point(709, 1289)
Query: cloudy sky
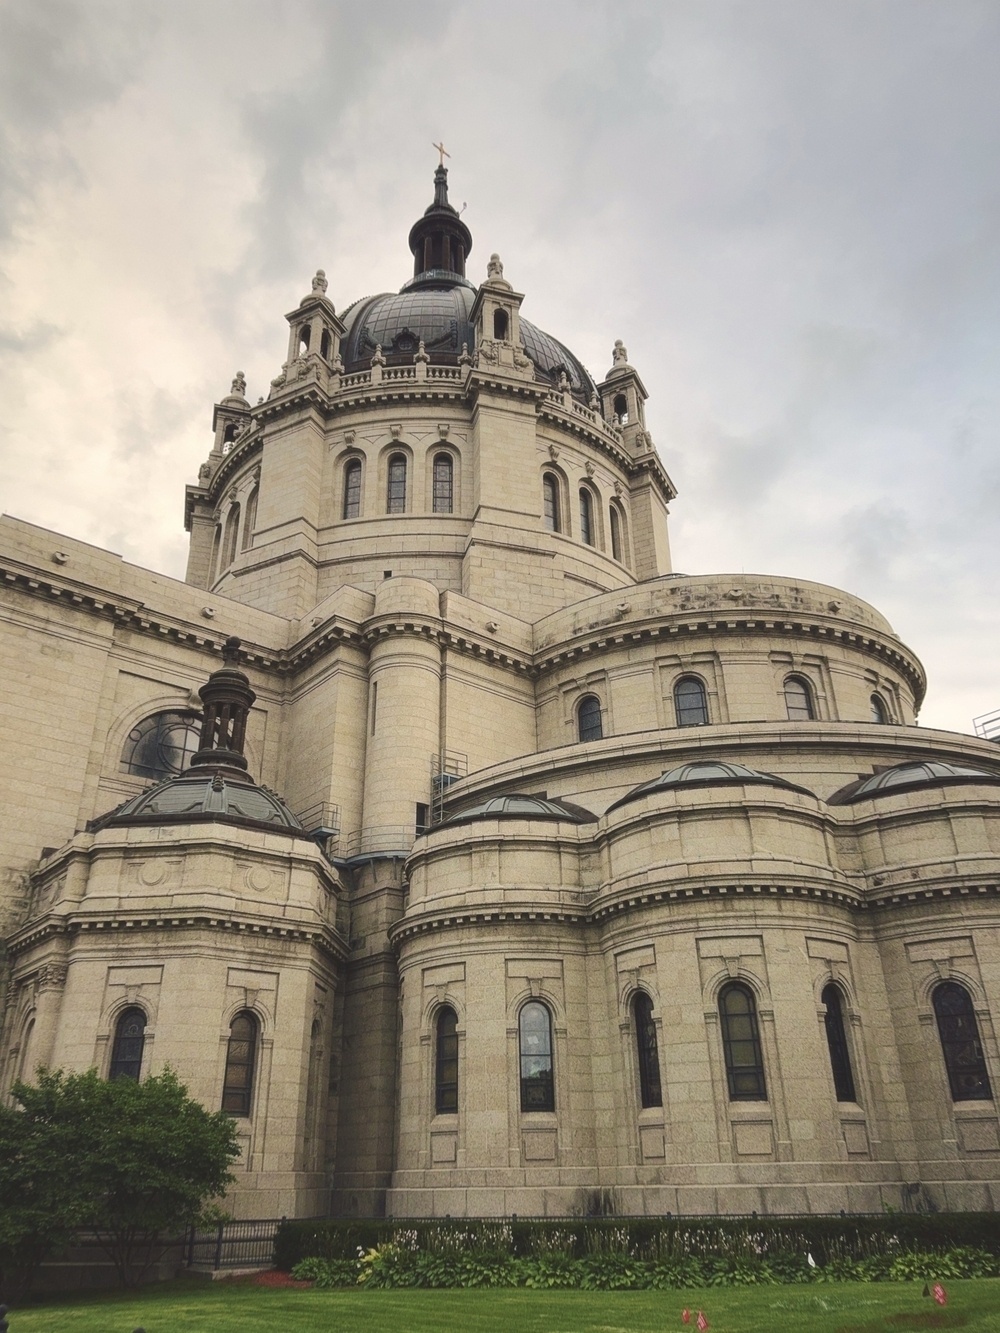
point(788, 209)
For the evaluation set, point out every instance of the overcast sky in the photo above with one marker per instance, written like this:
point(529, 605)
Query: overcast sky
point(790, 212)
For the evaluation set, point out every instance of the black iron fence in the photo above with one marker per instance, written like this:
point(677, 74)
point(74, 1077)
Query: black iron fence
point(232, 1244)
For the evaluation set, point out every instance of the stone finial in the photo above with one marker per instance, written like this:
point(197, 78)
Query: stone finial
point(619, 355)
point(319, 283)
point(377, 357)
point(494, 269)
point(465, 359)
point(239, 384)
point(421, 353)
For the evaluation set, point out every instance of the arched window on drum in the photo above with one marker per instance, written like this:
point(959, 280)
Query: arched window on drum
point(589, 726)
point(241, 1059)
point(446, 1062)
point(534, 1027)
point(741, 1044)
point(968, 1077)
point(130, 1040)
point(647, 1052)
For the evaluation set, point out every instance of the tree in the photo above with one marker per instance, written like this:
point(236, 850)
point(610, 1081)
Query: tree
point(134, 1162)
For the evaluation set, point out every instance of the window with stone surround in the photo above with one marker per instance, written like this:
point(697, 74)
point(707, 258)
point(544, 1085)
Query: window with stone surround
point(647, 1051)
point(534, 1027)
point(741, 1044)
point(130, 1038)
point(161, 746)
point(799, 704)
point(589, 726)
point(963, 1051)
point(690, 702)
point(879, 710)
point(352, 489)
point(443, 484)
point(550, 502)
point(241, 1052)
point(586, 516)
point(836, 1040)
point(396, 485)
point(446, 1062)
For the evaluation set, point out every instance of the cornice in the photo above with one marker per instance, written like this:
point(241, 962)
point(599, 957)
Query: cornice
point(606, 910)
point(116, 924)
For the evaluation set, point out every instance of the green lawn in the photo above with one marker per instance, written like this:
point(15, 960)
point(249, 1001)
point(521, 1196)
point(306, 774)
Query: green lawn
point(235, 1308)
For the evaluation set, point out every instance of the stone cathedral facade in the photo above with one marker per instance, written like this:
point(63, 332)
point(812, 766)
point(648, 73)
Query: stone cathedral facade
point(497, 867)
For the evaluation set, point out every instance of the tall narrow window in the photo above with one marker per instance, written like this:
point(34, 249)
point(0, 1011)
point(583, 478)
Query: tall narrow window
point(741, 1044)
point(325, 345)
point(646, 1050)
point(586, 516)
point(960, 1044)
point(500, 325)
point(616, 533)
point(304, 333)
point(535, 1041)
point(836, 1040)
point(130, 1038)
point(237, 1090)
point(621, 409)
point(550, 500)
point(396, 489)
point(444, 484)
point(446, 1063)
point(690, 703)
point(798, 700)
point(250, 521)
point(232, 529)
point(352, 489)
point(217, 551)
point(878, 709)
point(588, 718)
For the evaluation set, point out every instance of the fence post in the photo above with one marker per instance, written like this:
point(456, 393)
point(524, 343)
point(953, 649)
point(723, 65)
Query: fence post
point(218, 1247)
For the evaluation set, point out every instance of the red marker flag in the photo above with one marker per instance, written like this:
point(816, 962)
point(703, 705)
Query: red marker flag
point(685, 1316)
point(939, 1294)
point(702, 1323)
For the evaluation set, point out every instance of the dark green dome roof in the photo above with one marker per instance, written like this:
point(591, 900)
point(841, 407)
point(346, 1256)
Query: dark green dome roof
point(203, 794)
point(516, 806)
point(706, 773)
point(909, 777)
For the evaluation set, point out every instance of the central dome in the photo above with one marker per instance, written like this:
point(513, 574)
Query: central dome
point(435, 306)
point(435, 309)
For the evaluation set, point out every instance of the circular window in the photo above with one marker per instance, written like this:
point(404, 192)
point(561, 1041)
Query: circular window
point(161, 746)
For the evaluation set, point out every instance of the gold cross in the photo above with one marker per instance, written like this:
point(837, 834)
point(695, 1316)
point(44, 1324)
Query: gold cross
point(441, 149)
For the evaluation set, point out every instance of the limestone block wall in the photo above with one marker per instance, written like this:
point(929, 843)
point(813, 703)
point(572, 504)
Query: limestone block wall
point(192, 931)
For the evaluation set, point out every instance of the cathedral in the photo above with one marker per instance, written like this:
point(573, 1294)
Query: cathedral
point(473, 860)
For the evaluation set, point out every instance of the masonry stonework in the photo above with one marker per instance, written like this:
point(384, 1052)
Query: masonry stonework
point(685, 825)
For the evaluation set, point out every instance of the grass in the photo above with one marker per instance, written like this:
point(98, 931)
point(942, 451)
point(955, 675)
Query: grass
point(235, 1307)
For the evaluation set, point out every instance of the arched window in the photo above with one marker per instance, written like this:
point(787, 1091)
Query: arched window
point(646, 1050)
point(250, 522)
point(304, 333)
point(446, 1063)
point(588, 718)
point(963, 1051)
point(229, 437)
point(534, 1027)
point(130, 1038)
point(616, 533)
point(550, 500)
point(161, 746)
point(241, 1051)
point(798, 700)
point(444, 484)
point(23, 1070)
point(232, 529)
point(621, 409)
point(352, 489)
point(879, 711)
point(216, 551)
point(500, 325)
point(836, 1040)
point(325, 345)
point(741, 1044)
point(690, 702)
point(586, 516)
point(396, 487)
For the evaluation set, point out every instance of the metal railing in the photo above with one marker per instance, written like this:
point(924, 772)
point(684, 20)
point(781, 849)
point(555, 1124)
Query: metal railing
point(988, 725)
point(232, 1244)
